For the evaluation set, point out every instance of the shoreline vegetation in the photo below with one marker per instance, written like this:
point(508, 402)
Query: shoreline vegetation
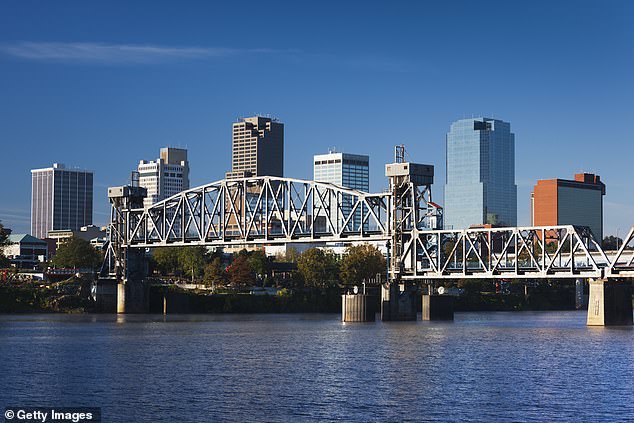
point(73, 296)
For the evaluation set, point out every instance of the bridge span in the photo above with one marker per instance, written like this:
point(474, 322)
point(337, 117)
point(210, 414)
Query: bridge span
point(272, 210)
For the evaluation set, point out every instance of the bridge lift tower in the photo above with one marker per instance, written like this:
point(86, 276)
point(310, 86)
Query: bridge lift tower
point(411, 211)
point(129, 265)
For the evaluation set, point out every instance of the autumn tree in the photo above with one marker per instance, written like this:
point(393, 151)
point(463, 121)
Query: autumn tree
point(240, 274)
point(361, 263)
point(318, 268)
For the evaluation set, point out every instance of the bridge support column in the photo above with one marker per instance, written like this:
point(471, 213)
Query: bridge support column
point(133, 292)
point(397, 304)
point(133, 297)
point(358, 308)
point(610, 303)
point(437, 307)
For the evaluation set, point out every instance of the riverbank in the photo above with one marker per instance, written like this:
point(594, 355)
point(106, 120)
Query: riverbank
point(174, 300)
point(72, 297)
point(32, 298)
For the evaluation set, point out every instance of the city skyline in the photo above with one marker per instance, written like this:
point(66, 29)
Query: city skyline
point(99, 99)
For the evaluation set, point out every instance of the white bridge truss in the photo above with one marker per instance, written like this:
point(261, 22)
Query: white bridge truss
point(271, 210)
point(259, 210)
point(525, 252)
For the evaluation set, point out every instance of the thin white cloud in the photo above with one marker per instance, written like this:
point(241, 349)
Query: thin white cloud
point(103, 53)
point(124, 54)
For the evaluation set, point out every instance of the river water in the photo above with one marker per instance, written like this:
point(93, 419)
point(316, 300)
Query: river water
point(519, 366)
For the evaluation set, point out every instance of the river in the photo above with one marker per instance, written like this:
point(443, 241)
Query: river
point(515, 366)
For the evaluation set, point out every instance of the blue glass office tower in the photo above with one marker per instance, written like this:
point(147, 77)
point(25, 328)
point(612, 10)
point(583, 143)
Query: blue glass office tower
point(480, 185)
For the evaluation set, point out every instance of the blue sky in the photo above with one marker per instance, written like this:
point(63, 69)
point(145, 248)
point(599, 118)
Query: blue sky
point(101, 85)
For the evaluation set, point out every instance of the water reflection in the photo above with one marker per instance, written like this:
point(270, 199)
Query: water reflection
point(483, 366)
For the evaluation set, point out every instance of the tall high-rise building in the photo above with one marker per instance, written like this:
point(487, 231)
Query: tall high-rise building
point(343, 169)
point(346, 170)
point(569, 202)
point(257, 148)
point(166, 176)
point(60, 199)
point(480, 181)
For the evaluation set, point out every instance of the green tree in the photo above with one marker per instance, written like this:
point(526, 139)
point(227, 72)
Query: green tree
point(361, 262)
point(76, 253)
point(4, 235)
point(192, 260)
point(551, 247)
point(167, 260)
point(318, 268)
point(259, 264)
point(214, 273)
point(240, 274)
point(611, 243)
point(291, 255)
point(4, 240)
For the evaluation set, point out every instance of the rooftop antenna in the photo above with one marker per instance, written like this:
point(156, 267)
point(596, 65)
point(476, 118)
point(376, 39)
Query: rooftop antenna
point(399, 153)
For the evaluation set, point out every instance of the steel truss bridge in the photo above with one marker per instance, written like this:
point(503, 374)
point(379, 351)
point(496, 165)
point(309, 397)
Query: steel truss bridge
point(271, 210)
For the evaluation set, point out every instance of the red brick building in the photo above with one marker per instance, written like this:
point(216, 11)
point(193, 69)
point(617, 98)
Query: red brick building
point(569, 202)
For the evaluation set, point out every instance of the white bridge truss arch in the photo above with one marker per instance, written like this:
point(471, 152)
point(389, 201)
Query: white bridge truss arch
point(272, 210)
point(259, 210)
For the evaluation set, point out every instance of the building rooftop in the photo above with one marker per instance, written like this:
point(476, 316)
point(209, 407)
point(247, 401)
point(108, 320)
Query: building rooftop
point(581, 180)
point(24, 238)
point(61, 166)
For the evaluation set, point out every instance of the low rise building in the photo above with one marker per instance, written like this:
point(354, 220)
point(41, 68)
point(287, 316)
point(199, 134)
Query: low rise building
point(94, 234)
point(25, 251)
point(569, 202)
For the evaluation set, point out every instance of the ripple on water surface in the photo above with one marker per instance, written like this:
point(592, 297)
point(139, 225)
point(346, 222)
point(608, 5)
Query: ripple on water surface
point(541, 366)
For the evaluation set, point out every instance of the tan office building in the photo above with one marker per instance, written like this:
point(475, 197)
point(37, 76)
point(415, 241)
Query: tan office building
point(257, 148)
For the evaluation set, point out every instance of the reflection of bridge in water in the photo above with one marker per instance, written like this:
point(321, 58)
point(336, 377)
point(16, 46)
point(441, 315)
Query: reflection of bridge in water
point(271, 210)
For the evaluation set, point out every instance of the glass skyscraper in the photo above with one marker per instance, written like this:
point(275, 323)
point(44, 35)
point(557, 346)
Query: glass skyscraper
point(480, 181)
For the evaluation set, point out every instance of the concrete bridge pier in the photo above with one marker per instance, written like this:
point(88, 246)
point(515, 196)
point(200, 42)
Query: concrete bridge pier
point(358, 308)
point(437, 307)
point(133, 292)
point(610, 303)
point(133, 297)
point(398, 302)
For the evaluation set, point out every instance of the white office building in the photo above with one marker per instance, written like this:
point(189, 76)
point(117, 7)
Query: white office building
point(61, 198)
point(164, 177)
point(345, 170)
